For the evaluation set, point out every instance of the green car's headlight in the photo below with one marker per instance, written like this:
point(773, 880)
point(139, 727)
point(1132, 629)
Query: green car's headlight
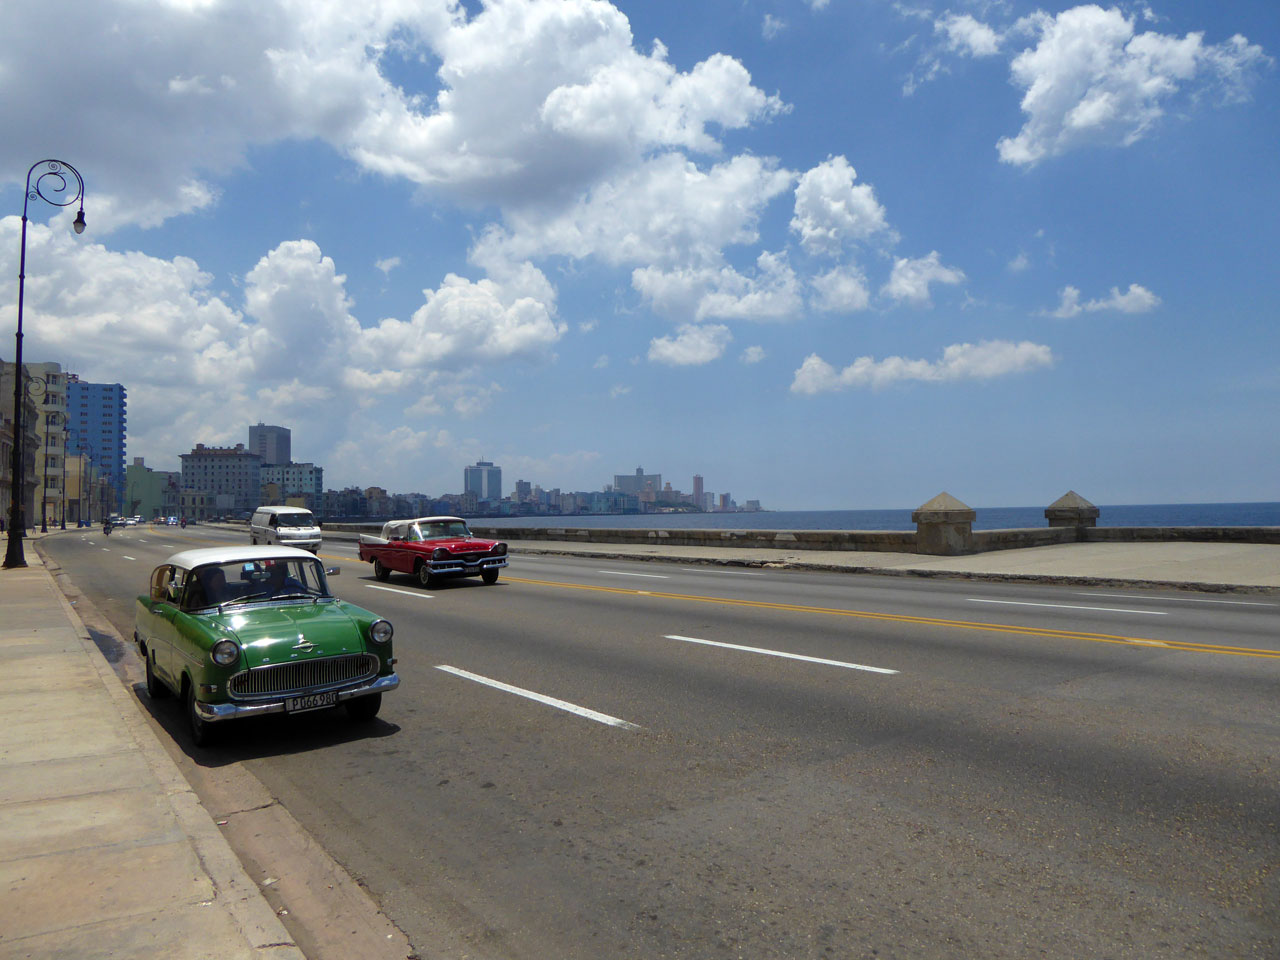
point(380, 631)
point(225, 653)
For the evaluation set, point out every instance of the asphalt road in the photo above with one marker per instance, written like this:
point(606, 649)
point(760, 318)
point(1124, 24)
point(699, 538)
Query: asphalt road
point(782, 764)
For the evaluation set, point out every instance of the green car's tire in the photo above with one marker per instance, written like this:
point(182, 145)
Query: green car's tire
point(202, 732)
point(364, 709)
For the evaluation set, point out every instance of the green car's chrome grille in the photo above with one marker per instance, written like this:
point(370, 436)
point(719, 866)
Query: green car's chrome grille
point(301, 676)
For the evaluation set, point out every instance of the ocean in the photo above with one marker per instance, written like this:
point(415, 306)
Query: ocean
point(988, 518)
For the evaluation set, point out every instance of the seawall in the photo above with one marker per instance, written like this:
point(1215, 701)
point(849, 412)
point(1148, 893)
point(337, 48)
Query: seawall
point(887, 541)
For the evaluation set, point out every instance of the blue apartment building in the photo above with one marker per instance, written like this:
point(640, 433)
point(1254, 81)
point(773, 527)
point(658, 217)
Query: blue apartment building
point(96, 425)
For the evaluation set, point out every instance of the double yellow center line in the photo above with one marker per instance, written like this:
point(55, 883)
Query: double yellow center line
point(923, 621)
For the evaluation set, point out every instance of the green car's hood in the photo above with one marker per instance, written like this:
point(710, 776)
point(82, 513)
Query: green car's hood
point(280, 633)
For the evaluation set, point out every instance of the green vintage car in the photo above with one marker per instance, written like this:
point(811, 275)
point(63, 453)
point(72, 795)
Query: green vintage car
point(246, 631)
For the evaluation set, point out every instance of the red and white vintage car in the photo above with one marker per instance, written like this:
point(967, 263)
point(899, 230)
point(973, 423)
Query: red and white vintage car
point(432, 549)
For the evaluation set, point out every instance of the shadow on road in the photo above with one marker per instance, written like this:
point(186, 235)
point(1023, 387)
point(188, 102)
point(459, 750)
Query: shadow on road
point(271, 736)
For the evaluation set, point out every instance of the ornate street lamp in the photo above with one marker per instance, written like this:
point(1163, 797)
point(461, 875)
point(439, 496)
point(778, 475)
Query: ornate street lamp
point(54, 179)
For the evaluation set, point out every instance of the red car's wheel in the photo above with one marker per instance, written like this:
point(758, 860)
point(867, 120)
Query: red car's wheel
point(425, 578)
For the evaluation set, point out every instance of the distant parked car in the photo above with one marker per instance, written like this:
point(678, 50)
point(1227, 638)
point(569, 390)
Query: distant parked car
point(246, 631)
point(432, 549)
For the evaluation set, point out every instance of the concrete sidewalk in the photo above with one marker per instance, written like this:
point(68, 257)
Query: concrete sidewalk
point(105, 851)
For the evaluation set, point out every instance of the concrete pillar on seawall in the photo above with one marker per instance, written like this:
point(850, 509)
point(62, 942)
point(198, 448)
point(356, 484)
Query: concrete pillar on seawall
point(1071, 510)
point(944, 527)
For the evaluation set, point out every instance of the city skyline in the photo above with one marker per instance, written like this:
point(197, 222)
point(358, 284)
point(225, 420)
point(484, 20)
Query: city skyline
point(846, 255)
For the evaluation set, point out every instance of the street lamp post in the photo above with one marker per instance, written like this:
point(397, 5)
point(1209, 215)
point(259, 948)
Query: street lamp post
point(55, 173)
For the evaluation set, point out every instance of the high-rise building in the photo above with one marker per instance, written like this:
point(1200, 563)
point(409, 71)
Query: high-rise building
point(524, 490)
point(97, 425)
point(639, 483)
point(232, 475)
point(272, 444)
point(484, 480)
point(697, 490)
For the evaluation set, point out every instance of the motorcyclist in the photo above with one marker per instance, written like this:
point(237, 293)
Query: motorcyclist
point(184, 523)
point(106, 527)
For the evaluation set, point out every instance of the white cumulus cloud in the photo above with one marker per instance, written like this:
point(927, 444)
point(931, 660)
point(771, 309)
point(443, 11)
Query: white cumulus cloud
point(1137, 299)
point(832, 210)
point(909, 282)
point(842, 290)
point(693, 345)
point(1092, 79)
point(968, 36)
point(961, 361)
point(770, 293)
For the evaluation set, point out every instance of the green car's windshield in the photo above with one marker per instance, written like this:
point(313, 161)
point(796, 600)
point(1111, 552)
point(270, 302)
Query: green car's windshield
point(246, 580)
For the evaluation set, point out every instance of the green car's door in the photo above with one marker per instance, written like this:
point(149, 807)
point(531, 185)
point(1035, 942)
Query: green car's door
point(161, 626)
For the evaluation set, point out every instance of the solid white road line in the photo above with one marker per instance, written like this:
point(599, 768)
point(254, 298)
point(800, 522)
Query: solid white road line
point(540, 698)
point(1070, 606)
point(619, 573)
point(731, 573)
point(408, 593)
point(779, 653)
point(1130, 596)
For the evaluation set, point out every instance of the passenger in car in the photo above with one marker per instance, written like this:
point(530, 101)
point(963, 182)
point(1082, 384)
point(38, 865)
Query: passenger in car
point(210, 588)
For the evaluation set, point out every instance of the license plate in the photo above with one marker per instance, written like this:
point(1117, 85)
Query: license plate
point(311, 701)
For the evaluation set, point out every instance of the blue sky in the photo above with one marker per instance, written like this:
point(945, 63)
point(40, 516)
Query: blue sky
point(841, 254)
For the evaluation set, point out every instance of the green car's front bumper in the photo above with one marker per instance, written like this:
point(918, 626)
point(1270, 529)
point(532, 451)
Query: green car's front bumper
point(214, 712)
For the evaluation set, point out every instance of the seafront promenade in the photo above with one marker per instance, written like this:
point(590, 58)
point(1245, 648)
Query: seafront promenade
point(1191, 566)
point(105, 851)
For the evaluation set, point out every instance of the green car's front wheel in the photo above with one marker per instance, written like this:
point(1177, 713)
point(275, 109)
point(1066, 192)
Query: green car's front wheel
point(202, 732)
point(363, 709)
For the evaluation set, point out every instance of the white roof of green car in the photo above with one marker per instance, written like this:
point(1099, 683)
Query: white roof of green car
point(190, 559)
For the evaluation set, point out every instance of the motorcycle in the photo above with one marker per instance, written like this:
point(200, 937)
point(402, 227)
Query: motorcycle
point(106, 529)
point(184, 523)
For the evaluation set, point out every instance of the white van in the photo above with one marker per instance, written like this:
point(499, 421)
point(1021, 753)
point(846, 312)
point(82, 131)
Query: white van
point(285, 526)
